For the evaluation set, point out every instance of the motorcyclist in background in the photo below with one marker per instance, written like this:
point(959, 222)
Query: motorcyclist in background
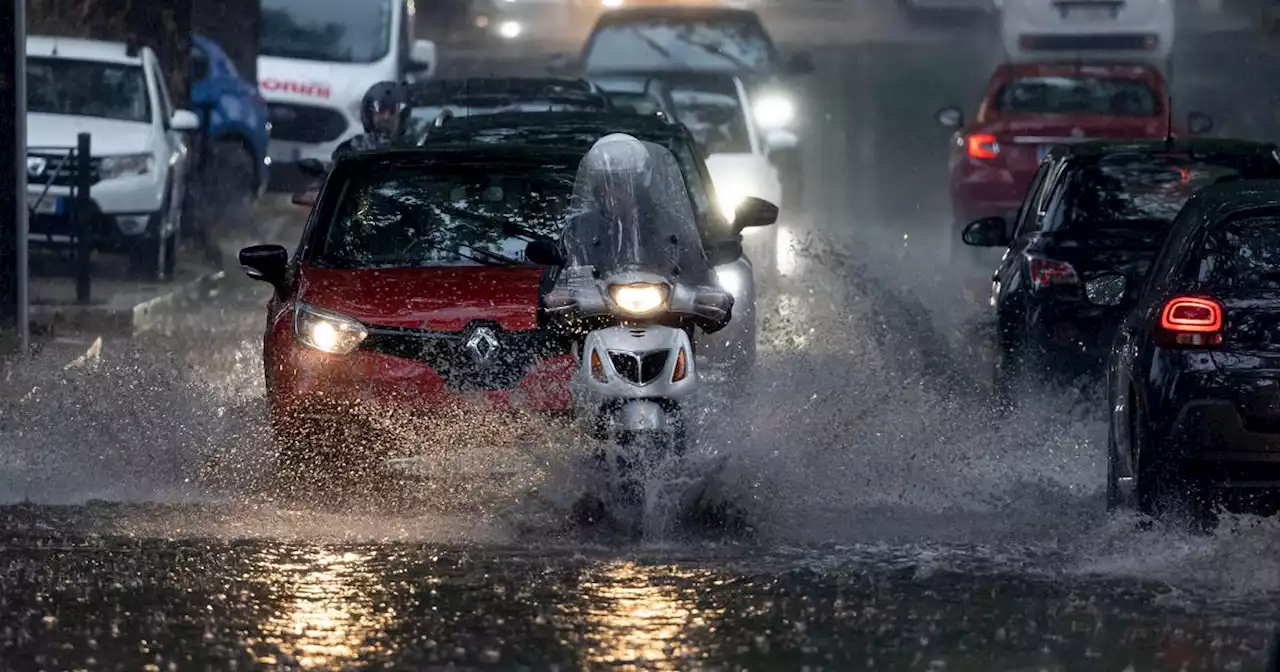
point(385, 114)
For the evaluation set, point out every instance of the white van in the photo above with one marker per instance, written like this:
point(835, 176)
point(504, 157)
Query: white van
point(316, 59)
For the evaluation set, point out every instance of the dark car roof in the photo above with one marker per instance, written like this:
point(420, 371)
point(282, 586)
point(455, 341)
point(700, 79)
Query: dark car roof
point(535, 124)
point(1104, 148)
point(1229, 198)
point(506, 153)
point(687, 12)
point(435, 90)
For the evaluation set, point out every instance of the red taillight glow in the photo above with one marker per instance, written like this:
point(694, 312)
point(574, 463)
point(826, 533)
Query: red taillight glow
point(1050, 273)
point(982, 146)
point(1192, 321)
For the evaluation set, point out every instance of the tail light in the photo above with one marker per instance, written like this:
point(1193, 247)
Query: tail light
point(1191, 321)
point(982, 146)
point(1047, 273)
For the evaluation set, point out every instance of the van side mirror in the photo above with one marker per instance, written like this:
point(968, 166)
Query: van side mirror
point(543, 252)
point(801, 63)
point(267, 263)
point(725, 252)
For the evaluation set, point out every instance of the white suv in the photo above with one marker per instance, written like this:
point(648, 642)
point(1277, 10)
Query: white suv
point(118, 96)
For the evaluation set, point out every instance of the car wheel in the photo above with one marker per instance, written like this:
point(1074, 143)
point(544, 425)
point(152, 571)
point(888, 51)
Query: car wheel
point(1164, 489)
point(1116, 496)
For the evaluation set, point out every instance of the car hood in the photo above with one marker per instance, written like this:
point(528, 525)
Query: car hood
point(109, 136)
point(1076, 126)
point(436, 299)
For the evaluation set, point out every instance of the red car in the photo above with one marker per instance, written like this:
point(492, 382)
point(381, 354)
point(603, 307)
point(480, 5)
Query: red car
point(410, 291)
point(1028, 108)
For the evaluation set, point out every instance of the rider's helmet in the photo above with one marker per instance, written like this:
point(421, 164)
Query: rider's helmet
point(385, 109)
point(617, 168)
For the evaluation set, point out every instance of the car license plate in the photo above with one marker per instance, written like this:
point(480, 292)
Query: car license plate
point(1090, 13)
point(46, 205)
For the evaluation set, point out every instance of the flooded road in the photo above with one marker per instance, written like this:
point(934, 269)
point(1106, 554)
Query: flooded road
point(891, 520)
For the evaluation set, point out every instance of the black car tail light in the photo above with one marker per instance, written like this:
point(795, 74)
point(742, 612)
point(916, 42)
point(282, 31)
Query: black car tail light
point(1191, 322)
point(1047, 273)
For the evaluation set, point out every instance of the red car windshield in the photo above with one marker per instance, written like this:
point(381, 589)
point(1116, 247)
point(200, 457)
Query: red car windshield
point(1078, 95)
point(416, 217)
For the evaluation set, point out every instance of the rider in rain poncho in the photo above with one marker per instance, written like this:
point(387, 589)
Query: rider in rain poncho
point(630, 210)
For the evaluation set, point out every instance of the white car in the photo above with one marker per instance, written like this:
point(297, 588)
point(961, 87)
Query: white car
point(316, 60)
point(1037, 30)
point(117, 95)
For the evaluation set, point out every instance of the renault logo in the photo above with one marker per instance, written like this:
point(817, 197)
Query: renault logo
point(36, 165)
point(482, 344)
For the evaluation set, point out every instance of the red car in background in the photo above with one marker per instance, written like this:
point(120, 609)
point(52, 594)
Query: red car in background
point(1028, 108)
point(410, 293)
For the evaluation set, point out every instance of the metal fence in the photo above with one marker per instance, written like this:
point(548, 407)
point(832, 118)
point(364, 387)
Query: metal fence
point(63, 223)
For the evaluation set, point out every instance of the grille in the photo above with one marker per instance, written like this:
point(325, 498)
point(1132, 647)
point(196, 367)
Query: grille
point(1115, 42)
point(639, 368)
point(515, 354)
point(306, 123)
point(63, 177)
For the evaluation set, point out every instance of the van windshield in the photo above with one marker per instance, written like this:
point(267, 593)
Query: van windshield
point(333, 31)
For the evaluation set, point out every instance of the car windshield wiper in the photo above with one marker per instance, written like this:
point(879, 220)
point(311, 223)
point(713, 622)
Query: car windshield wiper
point(653, 44)
point(713, 49)
point(507, 227)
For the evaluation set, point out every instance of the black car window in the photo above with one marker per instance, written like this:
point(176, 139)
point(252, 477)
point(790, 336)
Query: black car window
point(1143, 193)
point(1078, 95)
point(443, 216)
point(1242, 253)
point(1028, 208)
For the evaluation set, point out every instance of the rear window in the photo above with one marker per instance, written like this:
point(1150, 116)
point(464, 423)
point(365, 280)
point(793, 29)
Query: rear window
point(447, 216)
point(728, 44)
point(1078, 95)
point(1243, 253)
point(1146, 191)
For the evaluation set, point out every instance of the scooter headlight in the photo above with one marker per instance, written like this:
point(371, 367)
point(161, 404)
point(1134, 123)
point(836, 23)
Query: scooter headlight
point(327, 331)
point(639, 298)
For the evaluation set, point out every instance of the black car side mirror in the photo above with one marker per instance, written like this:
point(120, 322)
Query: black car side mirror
point(1199, 123)
point(543, 252)
point(1106, 290)
point(312, 168)
point(752, 212)
point(986, 232)
point(268, 263)
point(949, 117)
point(725, 252)
point(801, 63)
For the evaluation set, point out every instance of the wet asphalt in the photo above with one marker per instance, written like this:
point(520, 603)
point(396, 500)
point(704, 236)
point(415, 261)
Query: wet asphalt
point(883, 517)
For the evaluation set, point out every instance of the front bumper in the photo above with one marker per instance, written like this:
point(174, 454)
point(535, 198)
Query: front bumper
point(122, 210)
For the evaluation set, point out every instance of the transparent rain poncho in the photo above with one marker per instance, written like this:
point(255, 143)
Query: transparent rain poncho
point(630, 211)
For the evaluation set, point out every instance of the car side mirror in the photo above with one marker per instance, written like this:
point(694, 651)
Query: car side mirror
point(779, 140)
point(725, 252)
point(306, 198)
point(543, 252)
point(801, 63)
point(312, 168)
point(753, 212)
point(184, 120)
point(423, 57)
point(986, 232)
point(1199, 123)
point(1106, 290)
point(267, 263)
point(950, 117)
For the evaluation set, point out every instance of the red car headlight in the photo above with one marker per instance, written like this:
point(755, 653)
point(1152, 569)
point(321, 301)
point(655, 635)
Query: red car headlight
point(326, 330)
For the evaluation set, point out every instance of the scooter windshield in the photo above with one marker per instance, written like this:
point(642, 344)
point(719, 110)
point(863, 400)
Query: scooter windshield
point(630, 212)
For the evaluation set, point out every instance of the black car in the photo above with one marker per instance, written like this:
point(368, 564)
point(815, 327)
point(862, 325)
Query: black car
point(1093, 208)
point(1194, 371)
point(467, 96)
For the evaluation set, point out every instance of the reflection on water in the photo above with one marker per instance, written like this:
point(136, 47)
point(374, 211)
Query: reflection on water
point(328, 618)
point(638, 615)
